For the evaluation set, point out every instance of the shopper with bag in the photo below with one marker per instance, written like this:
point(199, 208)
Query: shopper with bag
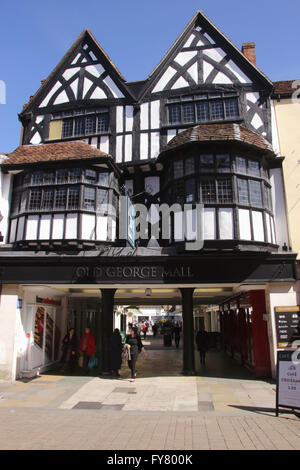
point(135, 346)
point(87, 349)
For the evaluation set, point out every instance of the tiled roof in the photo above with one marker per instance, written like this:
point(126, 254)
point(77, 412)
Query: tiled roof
point(284, 88)
point(218, 132)
point(74, 150)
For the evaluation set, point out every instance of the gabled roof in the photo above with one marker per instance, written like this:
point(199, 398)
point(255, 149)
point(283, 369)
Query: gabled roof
point(86, 34)
point(59, 151)
point(284, 88)
point(201, 19)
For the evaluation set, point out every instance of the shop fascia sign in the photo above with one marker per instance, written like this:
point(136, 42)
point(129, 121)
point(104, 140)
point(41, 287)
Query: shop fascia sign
point(100, 273)
point(40, 300)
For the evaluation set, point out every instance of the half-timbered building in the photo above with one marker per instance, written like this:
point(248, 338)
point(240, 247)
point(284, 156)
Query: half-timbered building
point(198, 130)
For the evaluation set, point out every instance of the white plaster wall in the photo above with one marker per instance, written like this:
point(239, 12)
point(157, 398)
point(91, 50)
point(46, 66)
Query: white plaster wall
point(119, 146)
point(101, 228)
point(58, 227)
point(71, 226)
point(209, 224)
point(8, 321)
point(144, 146)
point(154, 144)
point(226, 224)
point(88, 227)
point(258, 227)
point(279, 207)
point(128, 147)
point(144, 116)
point(275, 137)
point(5, 191)
point(45, 224)
point(119, 111)
point(104, 144)
point(128, 118)
point(31, 227)
point(13, 227)
point(20, 228)
point(244, 224)
point(155, 106)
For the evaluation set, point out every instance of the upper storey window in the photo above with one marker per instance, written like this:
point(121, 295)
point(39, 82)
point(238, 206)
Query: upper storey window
point(203, 108)
point(82, 122)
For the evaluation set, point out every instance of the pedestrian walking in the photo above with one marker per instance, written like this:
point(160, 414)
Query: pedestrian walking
point(177, 331)
point(87, 348)
point(135, 346)
point(69, 351)
point(154, 329)
point(144, 330)
point(116, 349)
point(202, 344)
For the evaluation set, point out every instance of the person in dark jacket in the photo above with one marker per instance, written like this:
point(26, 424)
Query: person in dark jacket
point(202, 344)
point(135, 345)
point(176, 331)
point(70, 351)
point(116, 349)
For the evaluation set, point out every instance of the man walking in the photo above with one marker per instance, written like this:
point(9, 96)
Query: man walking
point(202, 344)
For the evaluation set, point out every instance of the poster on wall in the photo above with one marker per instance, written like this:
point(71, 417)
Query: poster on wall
point(287, 321)
point(288, 379)
point(39, 324)
point(49, 336)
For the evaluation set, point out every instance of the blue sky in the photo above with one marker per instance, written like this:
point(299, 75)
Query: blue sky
point(135, 34)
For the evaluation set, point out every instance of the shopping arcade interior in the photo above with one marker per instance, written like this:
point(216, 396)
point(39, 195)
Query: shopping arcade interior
point(84, 305)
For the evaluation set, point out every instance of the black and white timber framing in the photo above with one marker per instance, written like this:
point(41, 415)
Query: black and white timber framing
point(202, 60)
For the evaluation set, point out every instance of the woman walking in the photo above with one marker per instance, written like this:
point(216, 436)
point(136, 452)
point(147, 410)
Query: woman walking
point(116, 348)
point(87, 348)
point(135, 346)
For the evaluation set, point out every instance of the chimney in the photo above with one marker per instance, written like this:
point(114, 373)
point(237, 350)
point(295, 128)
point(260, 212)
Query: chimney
point(248, 49)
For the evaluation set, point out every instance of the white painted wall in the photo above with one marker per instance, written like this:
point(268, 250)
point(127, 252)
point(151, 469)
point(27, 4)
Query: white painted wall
point(279, 207)
point(5, 191)
point(8, 321)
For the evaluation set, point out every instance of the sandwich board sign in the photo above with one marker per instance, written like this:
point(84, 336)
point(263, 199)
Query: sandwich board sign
point(288, 379)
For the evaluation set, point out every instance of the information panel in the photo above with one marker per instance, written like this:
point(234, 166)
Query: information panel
point(288, 379)
point(287, 326)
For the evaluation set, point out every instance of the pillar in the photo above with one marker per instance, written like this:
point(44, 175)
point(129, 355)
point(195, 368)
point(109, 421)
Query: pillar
point(8, 325)
point(107, 320)
point(188, 332)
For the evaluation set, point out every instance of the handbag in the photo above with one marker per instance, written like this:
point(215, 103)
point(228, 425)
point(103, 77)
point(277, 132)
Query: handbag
point(80, 361)
point(93, 362)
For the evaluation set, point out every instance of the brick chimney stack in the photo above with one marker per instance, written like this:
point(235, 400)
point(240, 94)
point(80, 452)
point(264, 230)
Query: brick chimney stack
point(248, 49)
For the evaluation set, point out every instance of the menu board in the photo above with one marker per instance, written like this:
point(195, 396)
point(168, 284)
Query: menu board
point(49, 336)
point(39, 323)
point(287, 321)
point(288, 379)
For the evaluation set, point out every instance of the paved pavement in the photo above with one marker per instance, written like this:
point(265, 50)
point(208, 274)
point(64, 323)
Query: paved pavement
point(223, 407)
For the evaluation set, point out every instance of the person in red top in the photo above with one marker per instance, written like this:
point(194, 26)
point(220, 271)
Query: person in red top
point(87, 347)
